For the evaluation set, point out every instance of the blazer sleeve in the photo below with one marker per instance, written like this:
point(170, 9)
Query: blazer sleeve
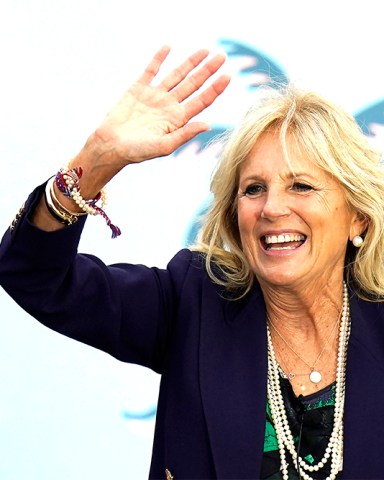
point(125, 310)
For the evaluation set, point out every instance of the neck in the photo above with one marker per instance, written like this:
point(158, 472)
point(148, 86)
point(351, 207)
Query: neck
point(304, 330)
point(303, 310)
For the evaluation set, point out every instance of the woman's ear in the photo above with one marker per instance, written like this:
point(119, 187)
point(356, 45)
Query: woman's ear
point(359, 225)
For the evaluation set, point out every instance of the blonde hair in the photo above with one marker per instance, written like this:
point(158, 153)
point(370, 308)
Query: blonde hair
point(333, 140)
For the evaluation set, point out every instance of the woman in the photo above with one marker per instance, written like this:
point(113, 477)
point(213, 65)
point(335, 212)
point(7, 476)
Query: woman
point(269, 333)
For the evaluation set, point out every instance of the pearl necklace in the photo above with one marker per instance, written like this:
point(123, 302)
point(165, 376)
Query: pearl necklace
point(334, 450)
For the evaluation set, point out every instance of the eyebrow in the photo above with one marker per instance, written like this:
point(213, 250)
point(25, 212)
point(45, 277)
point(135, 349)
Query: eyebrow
point(289, 176)
point(300, 174)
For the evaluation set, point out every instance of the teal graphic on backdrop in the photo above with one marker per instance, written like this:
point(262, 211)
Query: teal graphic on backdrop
point(371, 119)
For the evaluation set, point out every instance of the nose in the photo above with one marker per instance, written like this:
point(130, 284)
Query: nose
point(275, 205)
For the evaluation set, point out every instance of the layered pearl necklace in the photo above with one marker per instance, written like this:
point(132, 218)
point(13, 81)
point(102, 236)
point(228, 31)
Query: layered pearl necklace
point(334, 450)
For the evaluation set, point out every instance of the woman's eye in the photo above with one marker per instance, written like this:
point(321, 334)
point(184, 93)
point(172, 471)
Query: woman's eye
point(301, 187)
point(253, 190)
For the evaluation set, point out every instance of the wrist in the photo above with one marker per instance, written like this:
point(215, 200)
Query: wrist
point(97, 161)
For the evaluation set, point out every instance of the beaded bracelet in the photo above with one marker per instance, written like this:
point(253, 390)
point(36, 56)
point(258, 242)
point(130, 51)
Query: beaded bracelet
point(67, 181)
point(62, 215)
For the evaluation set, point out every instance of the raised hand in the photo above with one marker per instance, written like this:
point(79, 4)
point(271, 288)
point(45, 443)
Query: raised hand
point(154, 120)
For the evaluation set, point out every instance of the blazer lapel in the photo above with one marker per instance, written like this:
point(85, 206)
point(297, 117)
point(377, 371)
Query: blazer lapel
point(233, 372)
point(364, 398)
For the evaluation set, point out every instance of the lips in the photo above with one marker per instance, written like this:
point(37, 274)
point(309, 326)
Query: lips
point(283, 241)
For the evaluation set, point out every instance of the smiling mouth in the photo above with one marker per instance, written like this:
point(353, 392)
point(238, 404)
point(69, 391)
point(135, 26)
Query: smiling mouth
point(284, 241)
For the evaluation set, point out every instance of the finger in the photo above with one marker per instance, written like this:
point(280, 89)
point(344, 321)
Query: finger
point(154, 65)
point(179, 137)
point(196, 80)
point(180, 73)
point(207, 97)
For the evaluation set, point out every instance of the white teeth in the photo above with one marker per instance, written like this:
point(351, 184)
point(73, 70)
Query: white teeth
point(283, 238)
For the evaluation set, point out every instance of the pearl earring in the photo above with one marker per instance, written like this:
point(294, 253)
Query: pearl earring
point(357, 241)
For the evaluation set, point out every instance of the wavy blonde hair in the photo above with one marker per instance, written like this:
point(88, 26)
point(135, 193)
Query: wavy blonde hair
point(333, 140)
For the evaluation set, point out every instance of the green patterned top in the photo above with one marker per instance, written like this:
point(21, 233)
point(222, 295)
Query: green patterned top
point(317, 424)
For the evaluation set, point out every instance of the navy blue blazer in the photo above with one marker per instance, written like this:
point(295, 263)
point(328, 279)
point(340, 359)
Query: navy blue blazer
point(210, 351)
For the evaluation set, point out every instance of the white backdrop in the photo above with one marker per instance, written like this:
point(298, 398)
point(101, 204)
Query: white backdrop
point(66, 409)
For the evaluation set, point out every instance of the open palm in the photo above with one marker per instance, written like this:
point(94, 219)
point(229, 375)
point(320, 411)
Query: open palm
point(151, 121)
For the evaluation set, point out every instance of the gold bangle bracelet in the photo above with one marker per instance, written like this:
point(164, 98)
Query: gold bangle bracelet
point(62, 216)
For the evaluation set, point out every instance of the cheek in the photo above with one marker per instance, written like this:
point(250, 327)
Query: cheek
point(246, 218)
point(245, 228)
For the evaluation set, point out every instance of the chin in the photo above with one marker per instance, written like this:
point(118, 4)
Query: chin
point(281, 279)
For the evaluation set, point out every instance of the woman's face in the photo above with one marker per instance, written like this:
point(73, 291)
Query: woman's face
point(294, 227)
